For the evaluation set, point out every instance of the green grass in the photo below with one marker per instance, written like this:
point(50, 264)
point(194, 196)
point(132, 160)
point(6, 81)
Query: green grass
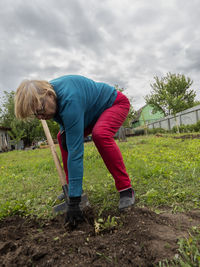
point(163, 171)
point(29, 183)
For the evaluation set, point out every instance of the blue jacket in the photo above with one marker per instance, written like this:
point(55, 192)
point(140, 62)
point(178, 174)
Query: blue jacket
point(80, 102)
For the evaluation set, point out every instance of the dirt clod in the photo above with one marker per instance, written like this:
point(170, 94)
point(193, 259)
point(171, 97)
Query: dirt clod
point(144, 239)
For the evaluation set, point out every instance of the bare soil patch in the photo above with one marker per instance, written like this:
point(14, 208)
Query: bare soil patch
point(183, 137)
point(188, 136)
point(144, 239)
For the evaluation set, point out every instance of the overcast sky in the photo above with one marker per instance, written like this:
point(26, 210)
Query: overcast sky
point(124, 42)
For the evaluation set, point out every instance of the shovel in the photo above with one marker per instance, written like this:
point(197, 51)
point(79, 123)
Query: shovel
point(62, 207)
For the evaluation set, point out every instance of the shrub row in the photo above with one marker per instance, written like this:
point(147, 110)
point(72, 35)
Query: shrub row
point(187, 128)
point(182, 129)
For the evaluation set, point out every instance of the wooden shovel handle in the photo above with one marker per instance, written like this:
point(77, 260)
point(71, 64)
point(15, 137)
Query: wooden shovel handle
point(54, 154)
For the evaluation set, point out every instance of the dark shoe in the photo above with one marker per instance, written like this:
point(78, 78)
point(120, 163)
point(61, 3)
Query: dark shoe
point(127, 199)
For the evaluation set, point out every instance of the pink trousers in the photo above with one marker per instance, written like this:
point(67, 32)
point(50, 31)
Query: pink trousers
point(103, 132)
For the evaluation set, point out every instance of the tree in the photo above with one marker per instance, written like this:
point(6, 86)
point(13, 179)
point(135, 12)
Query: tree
point(7, 109)
point(171, 94)
point(17, 133)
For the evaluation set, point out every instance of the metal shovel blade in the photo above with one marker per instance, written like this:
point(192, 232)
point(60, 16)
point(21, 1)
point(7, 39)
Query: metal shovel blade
point(62, 207)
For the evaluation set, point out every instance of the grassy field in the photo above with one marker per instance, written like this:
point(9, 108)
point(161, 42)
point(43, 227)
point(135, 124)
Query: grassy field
point(165, 172)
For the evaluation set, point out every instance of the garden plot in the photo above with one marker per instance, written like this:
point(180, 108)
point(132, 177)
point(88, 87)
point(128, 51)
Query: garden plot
point(145, 238)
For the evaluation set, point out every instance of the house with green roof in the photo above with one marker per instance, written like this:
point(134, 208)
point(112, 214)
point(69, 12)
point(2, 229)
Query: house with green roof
point(145, 115)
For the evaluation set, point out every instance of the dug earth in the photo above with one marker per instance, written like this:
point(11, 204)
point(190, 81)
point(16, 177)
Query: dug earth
point(142, 239)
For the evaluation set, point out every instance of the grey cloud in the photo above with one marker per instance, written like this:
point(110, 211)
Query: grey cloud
point(62, 25)
point(113, 80)
point(192, 55)
point(120, 42)
point(74, 66)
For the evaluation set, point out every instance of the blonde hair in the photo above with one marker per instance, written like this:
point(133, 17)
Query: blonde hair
point(29, 95)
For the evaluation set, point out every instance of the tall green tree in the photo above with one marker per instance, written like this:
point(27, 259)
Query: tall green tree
point(171, 94)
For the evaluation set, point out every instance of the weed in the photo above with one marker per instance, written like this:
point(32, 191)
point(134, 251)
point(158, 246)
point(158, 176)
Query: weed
point(102, 255)
point(189, 251)
point(108, 224)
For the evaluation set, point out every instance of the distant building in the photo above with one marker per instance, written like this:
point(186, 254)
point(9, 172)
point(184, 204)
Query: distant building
point(145, 115)
point(4, 139)
point(6, 144)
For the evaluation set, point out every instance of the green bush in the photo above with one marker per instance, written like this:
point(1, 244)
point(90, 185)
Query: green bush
point(189, 128)
point(182, 129)
point(139, 131)
point(197, 127)
point(156, 130)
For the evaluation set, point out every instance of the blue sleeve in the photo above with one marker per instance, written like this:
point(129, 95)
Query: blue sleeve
point(73, 120)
